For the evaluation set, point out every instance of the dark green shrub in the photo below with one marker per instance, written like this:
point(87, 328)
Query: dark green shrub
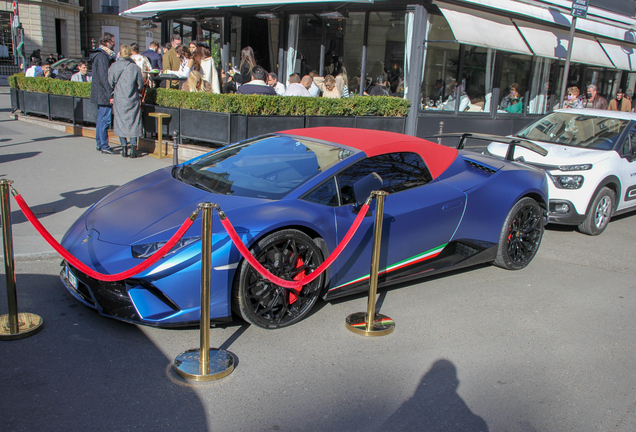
point(233, 103)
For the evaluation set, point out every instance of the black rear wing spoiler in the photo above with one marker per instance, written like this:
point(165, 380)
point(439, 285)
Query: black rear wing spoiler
point(512, 142)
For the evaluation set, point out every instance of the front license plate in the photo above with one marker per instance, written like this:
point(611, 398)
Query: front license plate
point(71, 278)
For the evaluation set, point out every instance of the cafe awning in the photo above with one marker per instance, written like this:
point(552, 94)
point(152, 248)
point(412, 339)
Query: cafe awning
point(152, 8)
point(553, 42)
point(623, 55)
point(473, 27)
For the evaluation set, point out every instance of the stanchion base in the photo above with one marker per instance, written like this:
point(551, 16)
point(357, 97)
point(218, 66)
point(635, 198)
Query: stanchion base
point(188, 364)
point(28, 325)
point(357, 323)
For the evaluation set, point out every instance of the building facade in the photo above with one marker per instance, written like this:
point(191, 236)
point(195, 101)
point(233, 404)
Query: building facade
point(455, 60)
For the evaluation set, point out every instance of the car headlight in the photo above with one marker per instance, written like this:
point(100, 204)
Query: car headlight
point(580, 167)
point(568, 181)
point(145, 250)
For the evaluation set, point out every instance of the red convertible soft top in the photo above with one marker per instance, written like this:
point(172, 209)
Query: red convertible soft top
point(375, 142)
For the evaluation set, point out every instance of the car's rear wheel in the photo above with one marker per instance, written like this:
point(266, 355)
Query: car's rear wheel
point(521, 235)
point(599, 214)
point(289, 255)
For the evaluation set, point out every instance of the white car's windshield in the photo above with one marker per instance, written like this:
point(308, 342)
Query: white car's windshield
point(577, 130)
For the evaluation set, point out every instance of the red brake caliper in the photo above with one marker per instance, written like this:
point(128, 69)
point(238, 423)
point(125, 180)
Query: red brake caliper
point(293, 292)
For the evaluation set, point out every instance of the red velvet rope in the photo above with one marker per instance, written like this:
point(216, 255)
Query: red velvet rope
point(296, 285)
point(83, 267)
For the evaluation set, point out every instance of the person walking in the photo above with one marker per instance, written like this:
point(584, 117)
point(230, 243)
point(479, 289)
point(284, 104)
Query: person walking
point(572, 100)
point(101, 90)
point(620, 103)
point(127, 81)
point(594, 100)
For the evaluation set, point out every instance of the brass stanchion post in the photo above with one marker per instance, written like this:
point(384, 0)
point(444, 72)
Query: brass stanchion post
point(14, 325)
point(205, 363)
point(370, 323)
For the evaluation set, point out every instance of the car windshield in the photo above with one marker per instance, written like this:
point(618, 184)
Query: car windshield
point(577, 130)
point(268, 167)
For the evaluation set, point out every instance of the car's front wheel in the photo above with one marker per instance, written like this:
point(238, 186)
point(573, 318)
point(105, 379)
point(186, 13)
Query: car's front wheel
point(521, 235)
point(599, 214)
point(287, 254)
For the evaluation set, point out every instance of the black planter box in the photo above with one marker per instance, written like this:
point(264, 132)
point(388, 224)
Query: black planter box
point(61, 107)
point(388, 124)
point(259, 125)
point(36, 103)
point(205, 126)
point(169, 124)
point(15, 99)
point(85, 111)
point(318, 121)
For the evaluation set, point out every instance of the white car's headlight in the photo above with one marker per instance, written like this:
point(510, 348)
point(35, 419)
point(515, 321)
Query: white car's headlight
point(145, 250)
point(568, 181)
point(579, 167)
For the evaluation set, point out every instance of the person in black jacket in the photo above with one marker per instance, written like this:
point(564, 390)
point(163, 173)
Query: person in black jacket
point(101, 91)
point(152, 54)
point(257, 85)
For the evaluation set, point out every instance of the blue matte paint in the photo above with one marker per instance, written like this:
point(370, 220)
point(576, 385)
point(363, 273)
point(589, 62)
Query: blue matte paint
point(462, 203)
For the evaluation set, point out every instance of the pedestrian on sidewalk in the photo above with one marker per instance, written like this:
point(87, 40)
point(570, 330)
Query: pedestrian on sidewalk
point(101, 90)
point(620, 103)
point(127, 81)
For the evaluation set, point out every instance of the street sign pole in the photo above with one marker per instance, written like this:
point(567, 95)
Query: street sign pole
point(579, 10)
point(566, 69)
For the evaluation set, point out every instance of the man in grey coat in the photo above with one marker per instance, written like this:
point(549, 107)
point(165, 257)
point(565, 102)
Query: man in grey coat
point(101, 90)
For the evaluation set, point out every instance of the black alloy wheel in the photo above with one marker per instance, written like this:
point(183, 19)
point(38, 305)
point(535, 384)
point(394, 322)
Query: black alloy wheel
point(521, 235)
point(289, 255)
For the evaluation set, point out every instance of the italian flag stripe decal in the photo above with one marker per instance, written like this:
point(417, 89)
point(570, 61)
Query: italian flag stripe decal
point(407, 262)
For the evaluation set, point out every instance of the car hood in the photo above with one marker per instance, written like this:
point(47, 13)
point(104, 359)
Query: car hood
point(558, 154)
point(151, 205)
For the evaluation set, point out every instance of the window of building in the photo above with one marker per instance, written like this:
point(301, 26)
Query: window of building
point(385, 50)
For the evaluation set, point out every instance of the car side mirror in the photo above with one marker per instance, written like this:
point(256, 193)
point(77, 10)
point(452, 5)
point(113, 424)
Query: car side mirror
point(363, 188)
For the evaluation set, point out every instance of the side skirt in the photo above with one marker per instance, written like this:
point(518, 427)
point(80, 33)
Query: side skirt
point(455, 255)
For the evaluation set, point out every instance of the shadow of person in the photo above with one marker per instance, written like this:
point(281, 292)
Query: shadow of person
point(436, 406)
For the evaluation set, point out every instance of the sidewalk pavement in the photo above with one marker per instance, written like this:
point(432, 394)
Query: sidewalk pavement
point(58, 175)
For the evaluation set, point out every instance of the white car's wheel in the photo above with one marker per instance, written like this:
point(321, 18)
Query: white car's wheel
point(599, 214)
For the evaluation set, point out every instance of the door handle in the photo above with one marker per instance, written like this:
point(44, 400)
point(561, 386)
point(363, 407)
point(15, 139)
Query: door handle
point(452, 205)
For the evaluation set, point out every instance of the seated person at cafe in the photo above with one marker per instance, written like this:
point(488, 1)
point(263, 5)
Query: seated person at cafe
point(296, 88)
point(45, 72)
point(196, 83)
point(464, 100)
point(63, 73)
point(82, 75)
point(257, 85)
point(380, 87)
point(513, 102)
point(35, 68)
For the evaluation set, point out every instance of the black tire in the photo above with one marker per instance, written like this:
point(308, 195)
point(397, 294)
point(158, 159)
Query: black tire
point(521, 235)
point(284, 254)
point(600, 213)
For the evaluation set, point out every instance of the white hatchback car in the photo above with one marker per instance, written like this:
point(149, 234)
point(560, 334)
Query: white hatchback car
point(591, 162)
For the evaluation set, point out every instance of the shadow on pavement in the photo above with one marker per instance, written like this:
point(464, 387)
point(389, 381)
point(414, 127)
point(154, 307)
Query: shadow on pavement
point(436, 406)
point(84, 372)
point(17, 156)
point(82, 198)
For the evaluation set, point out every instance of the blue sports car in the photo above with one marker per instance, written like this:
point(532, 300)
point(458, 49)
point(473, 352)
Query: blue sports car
point(292, 196)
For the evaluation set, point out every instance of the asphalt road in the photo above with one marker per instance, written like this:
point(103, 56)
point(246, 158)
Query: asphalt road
point(548, 348)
